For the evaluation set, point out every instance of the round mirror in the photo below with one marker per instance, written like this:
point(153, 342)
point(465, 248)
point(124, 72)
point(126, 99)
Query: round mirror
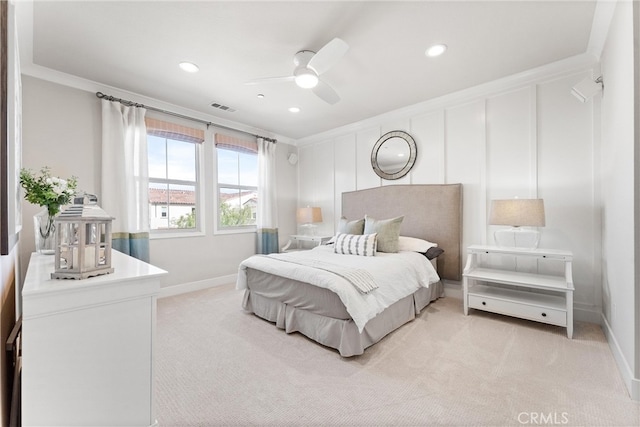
point(393, 155)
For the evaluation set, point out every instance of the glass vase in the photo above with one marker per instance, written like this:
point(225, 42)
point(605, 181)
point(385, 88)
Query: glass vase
point(45, 233)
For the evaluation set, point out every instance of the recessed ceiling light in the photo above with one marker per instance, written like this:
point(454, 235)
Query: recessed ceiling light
point(294, 109)
point(189, 67)
point(436, 50)
point(260, 96)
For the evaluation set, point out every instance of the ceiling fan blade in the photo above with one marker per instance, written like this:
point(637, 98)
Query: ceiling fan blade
point(326, 93)
point(270, 80)
point(328, 55)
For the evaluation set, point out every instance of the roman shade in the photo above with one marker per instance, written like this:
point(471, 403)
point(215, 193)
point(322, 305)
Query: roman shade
point(169, 130)
point(229, 142)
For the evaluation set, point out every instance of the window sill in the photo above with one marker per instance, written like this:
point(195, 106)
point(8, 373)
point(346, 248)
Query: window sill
point(187, 234)
point(236, 231)
point(175, 235)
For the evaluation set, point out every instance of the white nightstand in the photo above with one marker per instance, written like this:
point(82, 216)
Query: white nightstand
point(540, 297)
point(297, 238)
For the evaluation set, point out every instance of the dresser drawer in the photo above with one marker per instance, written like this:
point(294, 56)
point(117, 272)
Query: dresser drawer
point(518, 309)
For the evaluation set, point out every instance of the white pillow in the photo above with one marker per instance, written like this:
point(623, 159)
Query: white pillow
point(412, 244)
point(356, 244)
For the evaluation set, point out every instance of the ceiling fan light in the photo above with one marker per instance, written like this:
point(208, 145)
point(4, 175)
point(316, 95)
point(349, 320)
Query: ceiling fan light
point(189, 67)
point(306, 78)
point(436, 50)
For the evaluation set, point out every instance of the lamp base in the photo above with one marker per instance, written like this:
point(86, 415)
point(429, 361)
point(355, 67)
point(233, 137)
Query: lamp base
point(517, 238)
point(308, 229)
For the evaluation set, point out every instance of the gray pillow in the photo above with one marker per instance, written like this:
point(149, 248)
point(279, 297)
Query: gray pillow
point(351, 227)
point(433, 252)
point(388, 232)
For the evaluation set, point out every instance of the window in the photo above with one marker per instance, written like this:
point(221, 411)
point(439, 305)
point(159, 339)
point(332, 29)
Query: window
point(237, 182)
point(173, 152)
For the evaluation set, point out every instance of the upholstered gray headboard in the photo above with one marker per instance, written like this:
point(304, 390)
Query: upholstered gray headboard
point(431, 211)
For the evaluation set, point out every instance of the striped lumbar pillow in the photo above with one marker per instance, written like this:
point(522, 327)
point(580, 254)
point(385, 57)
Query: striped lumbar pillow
point(353, 244)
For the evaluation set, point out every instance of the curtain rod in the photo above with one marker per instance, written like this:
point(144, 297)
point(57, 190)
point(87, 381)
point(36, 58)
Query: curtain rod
point(171, 113)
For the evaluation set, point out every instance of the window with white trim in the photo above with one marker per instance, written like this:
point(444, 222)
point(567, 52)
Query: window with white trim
point(173, 151)
point(237, 189)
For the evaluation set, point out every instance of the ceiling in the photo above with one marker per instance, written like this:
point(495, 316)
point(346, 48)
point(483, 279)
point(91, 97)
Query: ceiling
point(137, 45)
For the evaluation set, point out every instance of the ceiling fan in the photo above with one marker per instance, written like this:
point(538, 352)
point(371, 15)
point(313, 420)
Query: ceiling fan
point(309, 66)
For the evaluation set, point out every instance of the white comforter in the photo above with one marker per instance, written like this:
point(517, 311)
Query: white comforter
point(397, 275)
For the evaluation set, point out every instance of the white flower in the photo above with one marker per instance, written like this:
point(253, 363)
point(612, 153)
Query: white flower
point(45, 190)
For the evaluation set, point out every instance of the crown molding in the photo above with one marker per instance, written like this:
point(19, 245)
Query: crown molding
point(602, 17)
point(552, 71)
point(69, 80)
point(24, 17)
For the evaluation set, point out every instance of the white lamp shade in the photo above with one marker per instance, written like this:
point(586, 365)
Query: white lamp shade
point(309, 215)
point(517, 212)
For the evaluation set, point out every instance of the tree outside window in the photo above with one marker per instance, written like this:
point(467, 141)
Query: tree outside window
point(173, 179)
point(237, 184)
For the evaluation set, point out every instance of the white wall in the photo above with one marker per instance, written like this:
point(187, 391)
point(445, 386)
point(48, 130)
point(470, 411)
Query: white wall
point(618, 200)
point(62, 130)
point(529, 140)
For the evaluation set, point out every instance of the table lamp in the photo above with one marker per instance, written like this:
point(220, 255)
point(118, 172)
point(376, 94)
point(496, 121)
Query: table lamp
point(308, 217)
point(517, 213)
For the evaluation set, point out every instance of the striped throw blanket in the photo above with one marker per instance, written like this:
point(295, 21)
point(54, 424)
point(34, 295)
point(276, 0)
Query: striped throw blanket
point(361, 279)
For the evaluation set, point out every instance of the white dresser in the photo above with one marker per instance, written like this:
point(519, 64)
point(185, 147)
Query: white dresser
point(88, 345)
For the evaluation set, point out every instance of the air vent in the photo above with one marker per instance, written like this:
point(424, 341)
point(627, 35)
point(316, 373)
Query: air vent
point(223, 107)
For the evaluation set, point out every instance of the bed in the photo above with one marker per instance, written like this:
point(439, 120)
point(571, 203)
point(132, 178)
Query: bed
point(430, 212)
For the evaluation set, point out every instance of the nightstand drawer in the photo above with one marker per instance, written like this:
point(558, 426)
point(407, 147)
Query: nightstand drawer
point(518, 309)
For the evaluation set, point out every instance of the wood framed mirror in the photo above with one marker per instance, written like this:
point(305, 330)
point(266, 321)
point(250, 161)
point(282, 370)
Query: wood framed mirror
point(394, 155)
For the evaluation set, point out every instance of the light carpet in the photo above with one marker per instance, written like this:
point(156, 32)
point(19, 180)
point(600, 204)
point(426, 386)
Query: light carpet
point(219, 366)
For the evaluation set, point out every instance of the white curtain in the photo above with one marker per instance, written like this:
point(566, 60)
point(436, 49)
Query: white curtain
point(125, 182)
point(267, 215)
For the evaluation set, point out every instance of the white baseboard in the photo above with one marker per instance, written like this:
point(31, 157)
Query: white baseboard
point(197, 286)
point(590, 314)
point(632, 383)
point(587, 313)
point(452, 289)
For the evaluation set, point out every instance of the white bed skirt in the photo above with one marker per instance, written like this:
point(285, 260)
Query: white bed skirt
point(341, 334)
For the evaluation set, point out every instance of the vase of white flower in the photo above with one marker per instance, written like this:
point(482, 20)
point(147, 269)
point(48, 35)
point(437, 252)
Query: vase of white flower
point(52, 193)
point(44, 231)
